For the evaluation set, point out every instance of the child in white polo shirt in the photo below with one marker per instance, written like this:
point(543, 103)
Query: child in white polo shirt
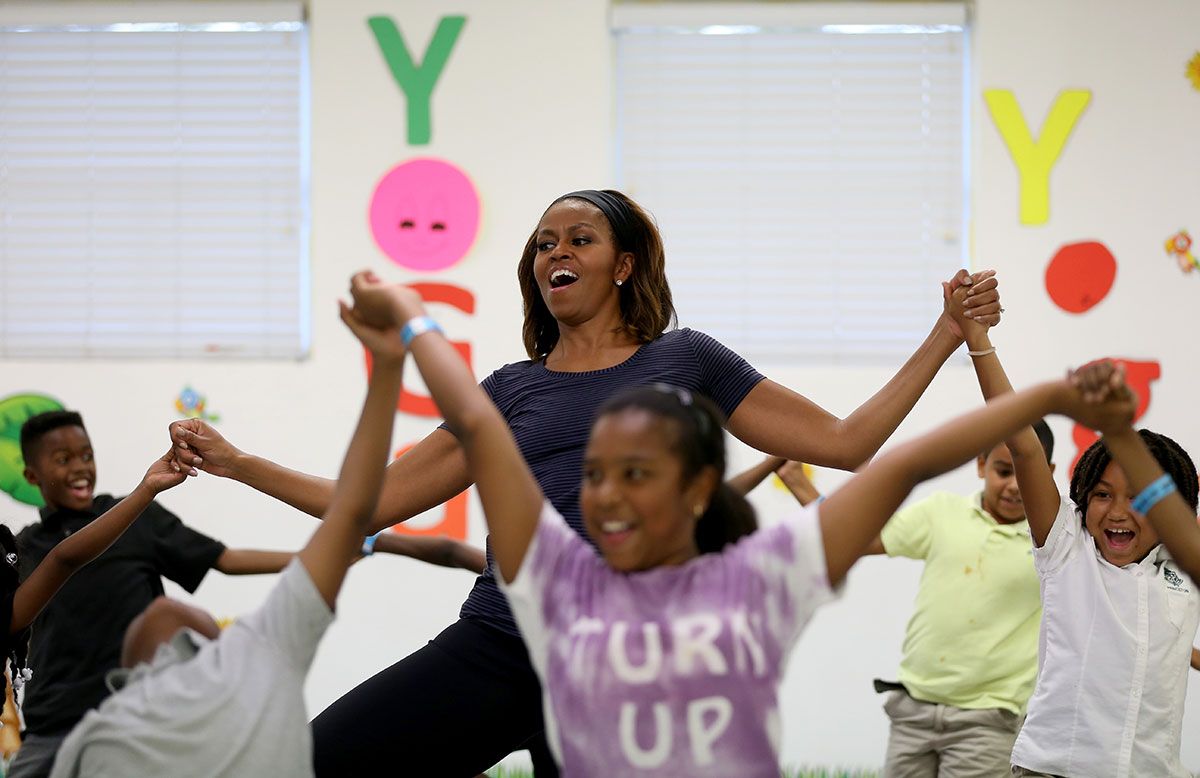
point(1119, 613)
point(1173, 519)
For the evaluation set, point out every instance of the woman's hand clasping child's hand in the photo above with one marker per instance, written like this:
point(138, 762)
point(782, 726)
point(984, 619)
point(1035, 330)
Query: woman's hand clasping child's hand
point(971, 300)
point(163, 474)
point(1099, 397)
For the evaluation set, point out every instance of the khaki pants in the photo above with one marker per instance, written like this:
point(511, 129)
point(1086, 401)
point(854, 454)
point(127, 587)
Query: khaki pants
point(36, 755)
point(928, 740)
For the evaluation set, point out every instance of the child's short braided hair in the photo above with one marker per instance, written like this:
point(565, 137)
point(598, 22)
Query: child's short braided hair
point(1170, 456)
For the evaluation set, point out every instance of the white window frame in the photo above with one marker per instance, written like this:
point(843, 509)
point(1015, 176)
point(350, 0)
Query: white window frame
point(179, 229)
point(782, 299)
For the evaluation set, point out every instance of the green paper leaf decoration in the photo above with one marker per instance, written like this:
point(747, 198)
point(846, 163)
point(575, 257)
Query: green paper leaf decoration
point(14, 411)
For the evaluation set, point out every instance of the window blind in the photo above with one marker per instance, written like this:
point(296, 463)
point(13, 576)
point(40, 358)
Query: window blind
point(153, 179)
point(809, 176)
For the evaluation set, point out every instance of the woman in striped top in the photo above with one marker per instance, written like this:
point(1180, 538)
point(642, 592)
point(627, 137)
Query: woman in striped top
point(598, 313)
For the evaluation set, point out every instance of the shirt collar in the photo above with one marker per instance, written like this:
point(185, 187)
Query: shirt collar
point(184, 645)
point(1157, 556)
point(55, 518)
point(1016, 528)
point(1152, 560)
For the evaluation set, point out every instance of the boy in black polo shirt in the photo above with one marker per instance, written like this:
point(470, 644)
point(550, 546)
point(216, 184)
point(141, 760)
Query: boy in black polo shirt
point(77, 638)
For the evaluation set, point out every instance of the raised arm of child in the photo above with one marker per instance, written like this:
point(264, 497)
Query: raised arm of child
point(792, 475)
point(853, 515)
point(252, 561)
point(511, 498)
point(337, 543)
point(746, 481)
point(88, 543)
point(1034, 476)
point(441, 551)
point(1173, 520)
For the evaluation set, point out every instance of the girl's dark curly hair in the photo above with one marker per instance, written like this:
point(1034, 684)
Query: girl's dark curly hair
point(1170, 456)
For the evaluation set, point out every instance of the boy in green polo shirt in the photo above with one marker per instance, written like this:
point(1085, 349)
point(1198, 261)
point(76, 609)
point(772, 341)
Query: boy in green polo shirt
point(970, 650)
point(971, 646)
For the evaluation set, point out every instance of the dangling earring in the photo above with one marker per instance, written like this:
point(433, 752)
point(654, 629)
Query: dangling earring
point(620, 281)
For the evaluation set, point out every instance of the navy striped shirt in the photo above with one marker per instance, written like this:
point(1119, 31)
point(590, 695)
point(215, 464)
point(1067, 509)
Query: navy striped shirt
point(550, 414)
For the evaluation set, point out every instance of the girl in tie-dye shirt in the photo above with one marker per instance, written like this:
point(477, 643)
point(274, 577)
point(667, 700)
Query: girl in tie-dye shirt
point(663, 655)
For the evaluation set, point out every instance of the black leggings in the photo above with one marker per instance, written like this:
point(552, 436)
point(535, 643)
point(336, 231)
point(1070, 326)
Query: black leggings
point(453, 708)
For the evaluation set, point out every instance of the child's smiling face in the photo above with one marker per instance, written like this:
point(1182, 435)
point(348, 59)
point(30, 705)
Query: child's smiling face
point(63, 468)
point(1001, 497)
point(1121, 535)
point(637, 505)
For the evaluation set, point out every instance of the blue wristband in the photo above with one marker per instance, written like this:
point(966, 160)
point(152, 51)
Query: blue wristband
point(368, 546)
point(1153, 494)
point(418, 325)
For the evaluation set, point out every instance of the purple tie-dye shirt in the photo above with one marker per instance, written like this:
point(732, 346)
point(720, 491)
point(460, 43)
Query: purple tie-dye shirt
point(670, 671)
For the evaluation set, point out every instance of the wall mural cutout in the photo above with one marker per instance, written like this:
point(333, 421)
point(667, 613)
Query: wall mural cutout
point(417, 81)
point(1035, 159)
point(14, 411)
point(1179, 246)
point(190, 404)
point(425, 214)
point(1080, 275)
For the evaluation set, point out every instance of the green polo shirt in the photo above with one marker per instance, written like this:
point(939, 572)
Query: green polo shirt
point(972, 641)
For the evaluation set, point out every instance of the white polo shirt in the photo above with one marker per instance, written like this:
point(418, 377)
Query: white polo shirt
point(1114, 653)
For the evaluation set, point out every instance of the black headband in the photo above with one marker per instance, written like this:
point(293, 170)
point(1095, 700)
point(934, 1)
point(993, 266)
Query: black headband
point(688, 404)
point(617, 211)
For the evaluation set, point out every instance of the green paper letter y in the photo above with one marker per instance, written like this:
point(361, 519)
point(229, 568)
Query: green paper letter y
point(416, 82)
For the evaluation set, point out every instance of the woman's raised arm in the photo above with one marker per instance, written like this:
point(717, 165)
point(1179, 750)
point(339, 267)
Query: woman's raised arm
point(429, 474)
point(778, 421)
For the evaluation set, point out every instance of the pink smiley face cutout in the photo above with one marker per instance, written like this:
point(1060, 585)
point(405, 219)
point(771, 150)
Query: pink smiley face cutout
point(425, 214)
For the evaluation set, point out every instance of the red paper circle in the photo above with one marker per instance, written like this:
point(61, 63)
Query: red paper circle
point(1080, 275)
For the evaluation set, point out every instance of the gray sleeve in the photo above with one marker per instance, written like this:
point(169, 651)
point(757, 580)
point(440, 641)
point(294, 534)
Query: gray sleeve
point(294, 617)
point(66, 763)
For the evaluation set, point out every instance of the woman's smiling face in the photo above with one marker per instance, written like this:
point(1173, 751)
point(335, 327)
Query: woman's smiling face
point(577, 263)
